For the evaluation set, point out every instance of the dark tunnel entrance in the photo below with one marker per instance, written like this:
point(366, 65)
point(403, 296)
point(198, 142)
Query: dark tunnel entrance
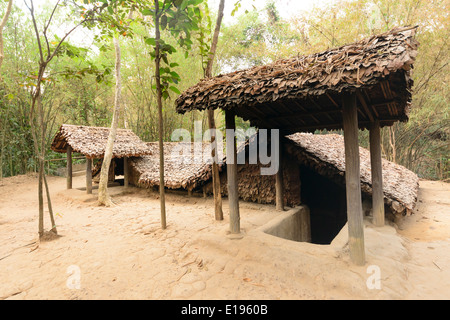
point(327, 204)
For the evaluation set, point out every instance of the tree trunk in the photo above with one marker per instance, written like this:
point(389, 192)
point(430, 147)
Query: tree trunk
point(36, 100)
point(392, 144)
point(212, 125)
point(160, 119)
point(2, 56)
point(50, 208)
point(41, 166)
point(1, 154)
point(2, 25)
point(103, 196)
point(41, 197)
point(218, 212)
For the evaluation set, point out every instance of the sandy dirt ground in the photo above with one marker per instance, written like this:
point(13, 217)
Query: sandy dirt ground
point(121, 252)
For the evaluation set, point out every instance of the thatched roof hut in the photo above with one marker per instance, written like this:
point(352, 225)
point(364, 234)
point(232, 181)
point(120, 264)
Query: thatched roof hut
point(325, 154)
point(303, 93)
point(181, 168)
point(91, 141)
point(363, 85)
point(322, 153)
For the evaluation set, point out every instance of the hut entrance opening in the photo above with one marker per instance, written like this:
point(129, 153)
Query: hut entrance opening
point(327, 204)
point(119, 170)
point(115, 174)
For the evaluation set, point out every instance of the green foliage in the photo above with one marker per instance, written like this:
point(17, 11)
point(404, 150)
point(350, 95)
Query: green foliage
point(77, 84)
point(422, 144)
point(257, 37)
point(180, 19)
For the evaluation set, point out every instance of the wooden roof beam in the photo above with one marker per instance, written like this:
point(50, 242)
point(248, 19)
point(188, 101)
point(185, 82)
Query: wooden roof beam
point(304, 114)
point(369, 103)
point(258, 117)
point(288, 112)
point(364, 104)
point(337, 126)
point(386, 95)
point(332, 101)
point(319, 107)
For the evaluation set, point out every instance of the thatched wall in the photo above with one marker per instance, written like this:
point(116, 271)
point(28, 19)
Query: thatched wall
point(254, 187)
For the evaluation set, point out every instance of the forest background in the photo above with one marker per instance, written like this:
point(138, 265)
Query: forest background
point(79, 84)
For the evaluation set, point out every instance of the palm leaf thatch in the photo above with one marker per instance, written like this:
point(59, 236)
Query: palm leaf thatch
point(91, 141)
point(303, 93)
point(326, 155)
point(183, 168)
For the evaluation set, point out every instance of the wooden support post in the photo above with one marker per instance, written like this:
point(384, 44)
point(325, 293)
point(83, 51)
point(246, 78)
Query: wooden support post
point(377, 175)
point(126, 172)
point(352, 181)
point(279, 188)
point(69, 167)
point(88, 175)
point(233, 194)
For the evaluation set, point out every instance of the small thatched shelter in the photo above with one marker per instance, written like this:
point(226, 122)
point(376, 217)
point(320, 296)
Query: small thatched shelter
point(181, 169)
point(91, 142)
point(322, 154)
point(364, 85)
point(325, 154)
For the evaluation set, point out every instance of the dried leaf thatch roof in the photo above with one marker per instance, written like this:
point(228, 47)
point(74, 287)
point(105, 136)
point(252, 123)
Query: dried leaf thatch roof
point(323, 153)
point(91, 141)
point(181, 168)
point(303, 93)
point(326, 155)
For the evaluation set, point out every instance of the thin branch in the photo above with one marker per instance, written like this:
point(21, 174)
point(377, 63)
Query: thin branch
point(65, 36)
point(31, 8)
point(2, 25)
point(46, 27)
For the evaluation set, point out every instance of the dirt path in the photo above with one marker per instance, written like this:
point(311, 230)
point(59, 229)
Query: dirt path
point(121, 252)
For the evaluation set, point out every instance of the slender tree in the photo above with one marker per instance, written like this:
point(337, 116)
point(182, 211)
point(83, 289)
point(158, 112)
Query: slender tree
point(103, 196)
point(211, 122)
point(2, 56)
point(112, 21)
point(179, 18)
point(2, 26)
point(38, 126)
point(160, 117)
